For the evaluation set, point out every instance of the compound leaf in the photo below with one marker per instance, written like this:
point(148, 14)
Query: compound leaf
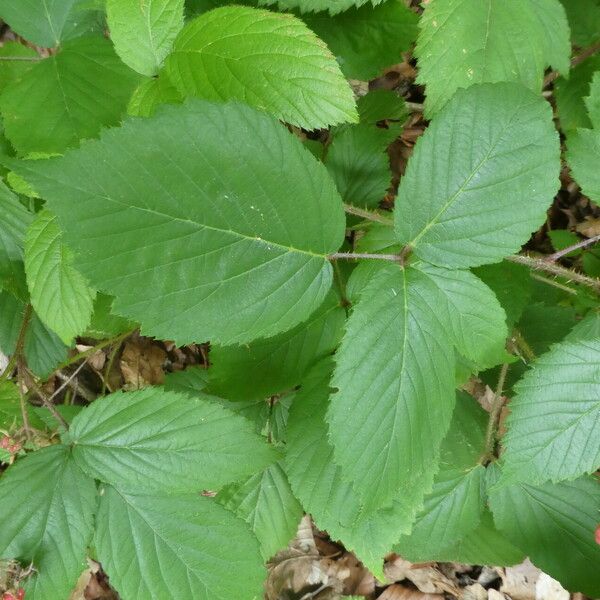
point(481, 177)
point(554, 525)
point(48, 507)
point(50, 108)
point(463, 42)
point(153, 439)
point(59, 294)
point(231, 248)
point(175, 546)
point(267, 503)
point(143, 32)
point(555, 416)
point(395, 381)
point(227, 54)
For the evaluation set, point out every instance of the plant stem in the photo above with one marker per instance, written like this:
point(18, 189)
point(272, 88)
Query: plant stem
point(23, 403)
point(20, 343)
point(556, 284)
point(30, 382)
point(522, 348)
point(357, 255)
point(367, 214)
point(494, 420)
point(558, 255)
point(541, 264)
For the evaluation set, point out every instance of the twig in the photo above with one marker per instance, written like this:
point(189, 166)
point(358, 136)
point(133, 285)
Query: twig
point(367, 214)
point(495, 412)
point(20, 343)
point(66, 380)
point(414, 106)
point(541, 264)
point(109, 366)
point(357, 255)
point(30, 382)
point(558, 255)
point(22, 402)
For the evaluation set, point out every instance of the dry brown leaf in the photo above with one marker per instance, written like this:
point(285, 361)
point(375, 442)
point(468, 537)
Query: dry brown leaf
point(547, 588)
point(589, 228)
point(426, 577)
point(495, 595)
point(400, 592)
point(360, 581)
point(142, 364)
point(519, 581)
point(474, 592)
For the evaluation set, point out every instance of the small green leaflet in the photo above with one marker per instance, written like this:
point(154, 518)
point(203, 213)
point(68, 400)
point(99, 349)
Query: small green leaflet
point(175, 546)
point(555, 417)
point(358, 163)
point(150, 94)
point(378, 105)
point(463, 42)
point(592, 102)
point(554, 525)
point(48, 506)
point(395, 379)
point(584, 21)
point(143, 32)
point(14, 222)
point(50, 107)
point(10, 70)
point(59, 294)
point(229, 248)
point(267, 504)
point(367, 39)
point(10, 407)
point(46, 23)
point(274, 365)
point(481, 177)
point(227, 54)
point(153, 439)
point(333, 6)
point(324, 491)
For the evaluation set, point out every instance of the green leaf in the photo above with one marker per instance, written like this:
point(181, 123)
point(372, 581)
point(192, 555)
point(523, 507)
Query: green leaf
point(378, 105)
point(43, 349)
point(511, 283)
point(189, 381)
point(463, 42)
point(227, 54)
point(10, 407)
point(358, 163)
point(267, 504)
point(592, 102)
point(481, 177)
point(570, 94)
point(273, 365)
point(153, 439)
point(454, 506)
point(553, 420)
point(168, 546)
point(584, 20)
point(562, 239)
point(320, 485)
point(234, 249)
point(59, 294)
point(395, 381)
point(47, 515)
point(484, 545)
point(143, 32)
point(50, 108)
point(583, 153)
point(11, 70)
point(587, 329)
point(365, 40)
point(150, 94)
point(554, 525)
point(13, 225)
point(47, 23)
point(473, 317)
point(104, 322)
point(333, 6)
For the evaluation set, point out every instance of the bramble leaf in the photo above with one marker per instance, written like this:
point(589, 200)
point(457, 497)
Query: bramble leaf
point(481, 177)
point(153, 439)
point(48, 508)
point(395, 379)
point(143, 32)
point(232, 248)
point(50, 108)
point(59, 294)
point(555, 415)
point(175, 546)
point(308, 6)
point(464, 42)
point(267, 504)
point(227, 54)
point(554, 525)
